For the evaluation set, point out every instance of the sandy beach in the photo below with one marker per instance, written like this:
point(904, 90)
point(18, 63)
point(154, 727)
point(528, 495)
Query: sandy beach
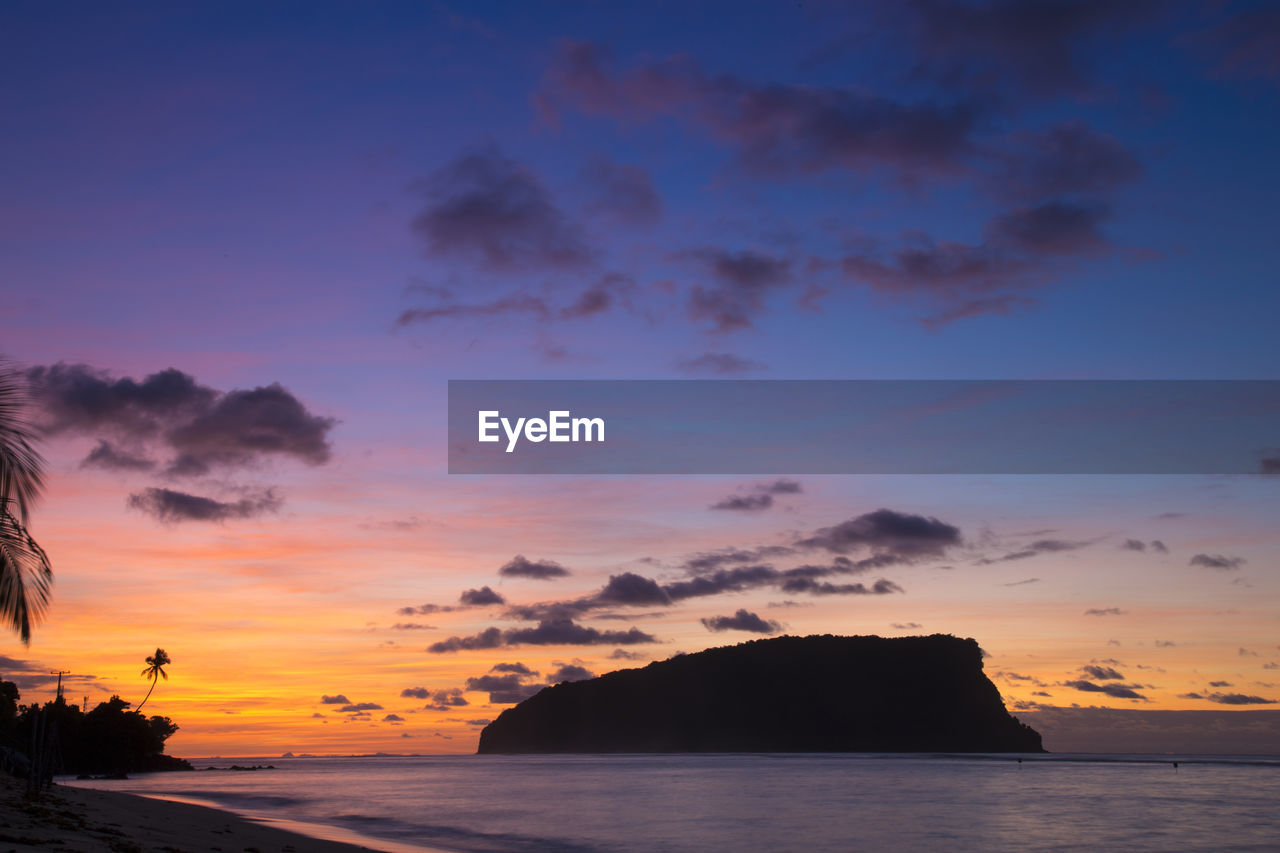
point(87, 821)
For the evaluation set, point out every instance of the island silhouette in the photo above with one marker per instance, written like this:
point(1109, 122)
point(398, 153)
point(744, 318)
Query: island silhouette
point(787, 694)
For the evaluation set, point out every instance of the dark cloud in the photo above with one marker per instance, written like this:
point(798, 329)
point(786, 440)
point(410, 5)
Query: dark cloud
point(481, 597)
point(718, 364)
point(359, 707)
point(171, 507)
point(1133, 545)
point(412, 626)
point(1008, 47)
point(1239, 699)
point(518, 668)
point(32, 675)
point(424, 610)
point(558, 632)
point(1022, 582)
point(1116, 691)
point(1022, 249)
point(775, 129)
point(1068, 159)
point(492, 210)
point(489, 638)
point(112, 458)
point(518, 303)
point(711, 560)
point(340, 699)
point(1159, 547)
point(599, 297)
point(594, 300)
point(445, 700)
point(723, 580)
point(743, 620)
point(170, 412)
point(1165, 644)
point(566, 632)
point(742, 281)
point(570, 672)
point(905, 626)
point(504, 689)
point(1101, 673)
point(415, 693)
point(629, 588)
point(244, 426)
point(1042, 546)
point(393, 718)
point(1220, 684)
point(1217, 561)
point(1051, 229)
point(745, 503)
point(887, 531)
point(1105, 611)
point(795, 586)
point(623, 654)
point(78, 398)
point(622, 194)
point(521, 567)
point(761, 496)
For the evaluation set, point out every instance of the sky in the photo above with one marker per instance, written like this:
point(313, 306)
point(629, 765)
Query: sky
point(245, 247)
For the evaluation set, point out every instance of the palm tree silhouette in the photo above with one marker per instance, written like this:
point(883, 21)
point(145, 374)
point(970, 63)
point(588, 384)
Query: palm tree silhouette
point(155, 666)
point(25, 573)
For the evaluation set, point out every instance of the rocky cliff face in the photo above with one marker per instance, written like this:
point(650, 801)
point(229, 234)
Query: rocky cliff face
point(787, 694)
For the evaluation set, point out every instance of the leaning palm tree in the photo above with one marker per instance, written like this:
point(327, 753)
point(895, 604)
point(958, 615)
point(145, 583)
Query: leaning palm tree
point(155, 666)
point(25, 573)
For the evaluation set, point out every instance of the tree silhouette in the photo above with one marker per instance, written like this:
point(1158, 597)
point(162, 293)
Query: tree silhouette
point(155, 666)
point(25, 573)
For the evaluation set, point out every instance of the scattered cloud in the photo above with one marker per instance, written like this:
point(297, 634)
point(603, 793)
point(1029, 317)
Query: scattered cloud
point(743, 620)
point(1239, 699)
point(887, 531)
point(558, 632)
point(171, 506)
point(1116, 691)
point(745, 503)
point(491, 210)
point(481, 597)
point(1217, 562)
point(358, 707)
point(521, 567)
point(719, 364)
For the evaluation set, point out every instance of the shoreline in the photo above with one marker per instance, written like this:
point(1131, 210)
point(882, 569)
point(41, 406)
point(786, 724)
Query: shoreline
point(90, 820)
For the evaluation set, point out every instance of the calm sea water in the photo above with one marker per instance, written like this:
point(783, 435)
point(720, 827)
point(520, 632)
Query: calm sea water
point(679, 803)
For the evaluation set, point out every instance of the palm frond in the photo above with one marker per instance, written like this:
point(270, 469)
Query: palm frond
point(25, 575)
point(21, 466)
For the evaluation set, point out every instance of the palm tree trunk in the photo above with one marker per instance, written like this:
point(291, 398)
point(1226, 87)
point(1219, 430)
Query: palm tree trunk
point(148, 696)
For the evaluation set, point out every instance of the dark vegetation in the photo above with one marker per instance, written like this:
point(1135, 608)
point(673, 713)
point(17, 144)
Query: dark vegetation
point(109, 740)
point(787, 694)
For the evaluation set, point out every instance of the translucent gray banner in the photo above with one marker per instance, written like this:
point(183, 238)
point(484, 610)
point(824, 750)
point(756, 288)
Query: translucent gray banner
point(864, 427)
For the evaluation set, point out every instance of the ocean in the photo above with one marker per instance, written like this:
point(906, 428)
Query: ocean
point(809, 803)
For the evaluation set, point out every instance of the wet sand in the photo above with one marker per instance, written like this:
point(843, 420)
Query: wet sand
point(87, 821)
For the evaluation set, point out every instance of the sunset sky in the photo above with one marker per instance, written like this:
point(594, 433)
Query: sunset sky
point(243, 250)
